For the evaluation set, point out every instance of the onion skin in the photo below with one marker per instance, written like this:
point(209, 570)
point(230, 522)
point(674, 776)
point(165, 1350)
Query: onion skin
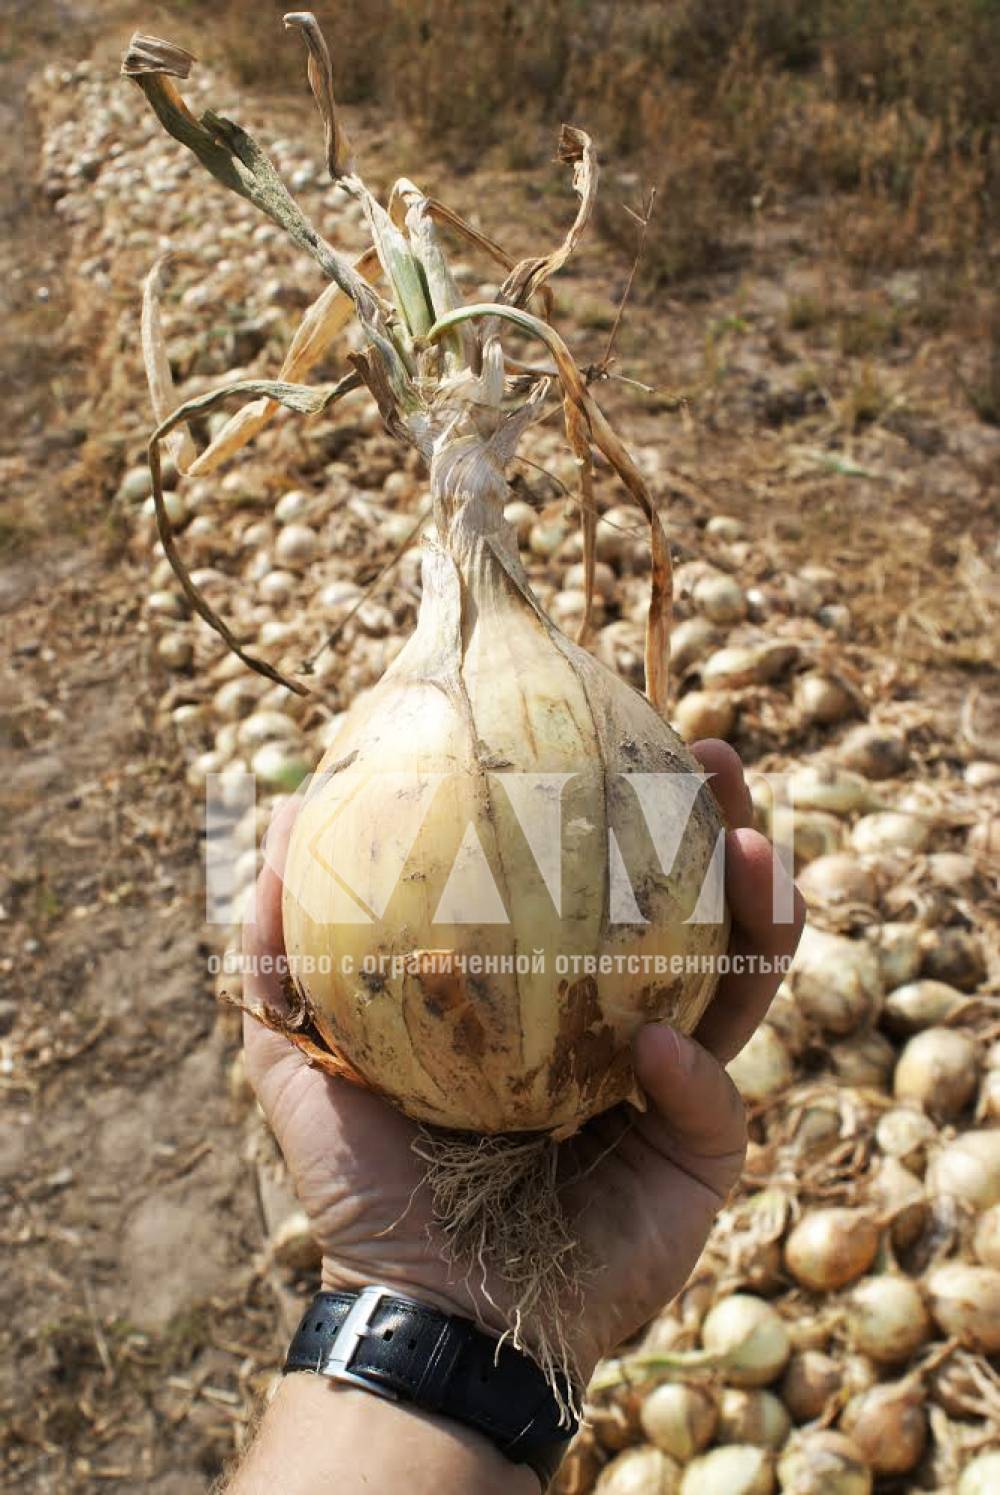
point(831, 1247)
point(492, 1053)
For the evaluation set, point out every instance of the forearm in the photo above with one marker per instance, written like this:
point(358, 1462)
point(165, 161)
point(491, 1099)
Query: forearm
point(318, 1437)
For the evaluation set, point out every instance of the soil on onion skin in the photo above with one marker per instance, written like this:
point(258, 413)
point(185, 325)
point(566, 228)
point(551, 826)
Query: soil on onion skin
point(135, 1321)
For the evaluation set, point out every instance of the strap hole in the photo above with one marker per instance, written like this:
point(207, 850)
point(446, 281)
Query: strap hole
point(412, 1343)
point(318, 1326)
point(387, 1334)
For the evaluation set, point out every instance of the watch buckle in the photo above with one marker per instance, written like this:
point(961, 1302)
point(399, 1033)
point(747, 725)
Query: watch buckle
point(337, 1364)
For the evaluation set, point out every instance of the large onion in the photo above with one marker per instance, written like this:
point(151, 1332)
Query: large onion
point(939, 1069)
point(887, 1319)
point(831, 1247)
point(733, 1469)
point(965, 1301)
point(823, 1464)
point(429, 835)
point(679, 1418)
point(749, 1337)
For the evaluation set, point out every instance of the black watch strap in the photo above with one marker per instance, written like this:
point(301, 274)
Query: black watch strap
point(400, 1348)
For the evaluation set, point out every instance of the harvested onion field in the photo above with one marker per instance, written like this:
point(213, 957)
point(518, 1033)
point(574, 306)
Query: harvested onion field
point(819, 430)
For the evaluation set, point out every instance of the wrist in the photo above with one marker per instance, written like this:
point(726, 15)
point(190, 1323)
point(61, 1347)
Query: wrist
point(321, 1436)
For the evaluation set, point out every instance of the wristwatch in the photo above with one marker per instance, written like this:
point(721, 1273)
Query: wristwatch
point(399, 1348)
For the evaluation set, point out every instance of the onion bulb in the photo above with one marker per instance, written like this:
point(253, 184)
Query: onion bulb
point(874, 751)
point(889, 1426)
point(965, 1301)
point(639, 1471)
point(920, 1004)
point(823, 1464)
point(679, 1418)
point(837, 879)
point(822, 699)
point(986, 1241)
point(756, 1417)
point(691, 641)
point(763, 1067)
point(900, 1197)
point(904, 1134)
point(720, 599)
point(892, 831)
point(827, 787)
point(749, 1338)
point(830, 1247)
point(733, 1469)
point(421, 881)
point(886, 1318)
point(747, 664)
point(981, 1475)
point(836, 980)
point(939, 1069)
point(968, 1169)
point(704, 713)
point(899, 955)
point(953, 955)
point(812, 1378)
point(864, 1059)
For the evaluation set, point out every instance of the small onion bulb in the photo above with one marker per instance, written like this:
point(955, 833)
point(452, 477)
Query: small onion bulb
point(733, 1469)
point(823, 1464)
point(812, 1378)
point(679, 1418)
point(886, 1318)
point(756, 1417)
point(965, 1301)
point(889, 1425)
point(939, 1069)
point(749, 1337)
point(763, 1068)
point(831, 1247)
point(640, 1471)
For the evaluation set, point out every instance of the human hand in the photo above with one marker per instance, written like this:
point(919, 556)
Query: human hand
point(642, 1212)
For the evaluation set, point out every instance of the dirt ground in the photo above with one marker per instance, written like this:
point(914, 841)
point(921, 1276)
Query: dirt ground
point(135, 1321)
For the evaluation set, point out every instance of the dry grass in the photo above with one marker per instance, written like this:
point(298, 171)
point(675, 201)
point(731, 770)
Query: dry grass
point(881, 109)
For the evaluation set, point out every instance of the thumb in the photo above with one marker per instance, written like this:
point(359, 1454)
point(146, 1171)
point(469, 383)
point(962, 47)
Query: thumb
point(696, 1115)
